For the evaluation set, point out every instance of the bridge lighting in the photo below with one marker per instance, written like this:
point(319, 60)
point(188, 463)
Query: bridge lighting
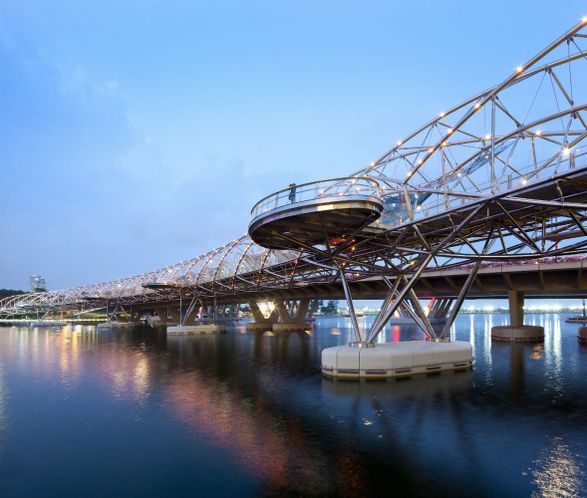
point(524, 181)
point(399, 142)
point(566, 152)
point(444, 144)
point(519, 69)
point(442, 114)
point(584, 19)
point(477, 105)
point(409, 173)
point(538, 133)
point(420, 161)
point(372, 164)
point(449, 131)
point(431, 150)
point(488, 136)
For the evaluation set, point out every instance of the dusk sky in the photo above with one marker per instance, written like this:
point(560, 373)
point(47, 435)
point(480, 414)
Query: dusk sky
point(137, 134)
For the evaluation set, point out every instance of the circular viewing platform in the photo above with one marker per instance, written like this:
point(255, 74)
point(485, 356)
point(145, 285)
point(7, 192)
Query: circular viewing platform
point(313, 213)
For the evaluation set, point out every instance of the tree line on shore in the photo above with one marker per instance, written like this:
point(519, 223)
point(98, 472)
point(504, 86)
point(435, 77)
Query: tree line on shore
point(9, 292)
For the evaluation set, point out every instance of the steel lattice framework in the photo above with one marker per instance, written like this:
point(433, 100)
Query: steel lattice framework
point(500, 176)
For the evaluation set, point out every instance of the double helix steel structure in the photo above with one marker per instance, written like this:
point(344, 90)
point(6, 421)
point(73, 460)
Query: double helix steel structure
point(500, 176)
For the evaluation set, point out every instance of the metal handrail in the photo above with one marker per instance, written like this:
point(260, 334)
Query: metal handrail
point(331, 187)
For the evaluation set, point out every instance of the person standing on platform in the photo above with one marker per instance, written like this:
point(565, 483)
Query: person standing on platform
point(292, 193)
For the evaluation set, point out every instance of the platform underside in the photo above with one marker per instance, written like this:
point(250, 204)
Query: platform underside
point(311, 223)
point(398, 359)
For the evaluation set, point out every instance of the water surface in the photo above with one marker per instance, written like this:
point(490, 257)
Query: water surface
point(134, 413)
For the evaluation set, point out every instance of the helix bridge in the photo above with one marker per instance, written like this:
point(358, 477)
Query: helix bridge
point(499, 177)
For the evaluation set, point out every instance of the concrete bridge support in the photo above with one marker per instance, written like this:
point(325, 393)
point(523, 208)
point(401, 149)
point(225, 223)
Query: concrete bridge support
point(186, 325)
point(440, 309)
point(439, 312)
point(162, 313)
point(190, 316)
point(292, 315)
point(173, 312)
point(261, 323)
point(517, 331)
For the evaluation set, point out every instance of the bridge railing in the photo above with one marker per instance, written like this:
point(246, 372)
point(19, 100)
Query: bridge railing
point(319, 190)
point(441, 202)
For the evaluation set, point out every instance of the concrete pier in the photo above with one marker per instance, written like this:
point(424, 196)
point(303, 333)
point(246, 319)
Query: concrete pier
point(398, 359)
point(288, 316)
point(261, 324)
point(521, 333)
point(209, 328)
point(117, 324)
point(517, 331)
point(292, 319)
point(292, 326)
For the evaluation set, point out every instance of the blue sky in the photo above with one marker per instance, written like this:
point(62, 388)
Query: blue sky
point(137, 134)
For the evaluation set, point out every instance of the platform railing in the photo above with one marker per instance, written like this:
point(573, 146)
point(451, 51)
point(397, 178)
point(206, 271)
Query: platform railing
point(322, 189)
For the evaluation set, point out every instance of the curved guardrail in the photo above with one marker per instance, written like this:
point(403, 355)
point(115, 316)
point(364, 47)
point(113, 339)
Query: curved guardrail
point(322, 189)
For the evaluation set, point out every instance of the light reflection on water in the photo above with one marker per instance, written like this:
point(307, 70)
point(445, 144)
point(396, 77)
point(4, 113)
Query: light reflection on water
point(558, 471)
point(249, 413)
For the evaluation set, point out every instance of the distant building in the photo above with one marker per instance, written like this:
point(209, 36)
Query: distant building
point(37, 284)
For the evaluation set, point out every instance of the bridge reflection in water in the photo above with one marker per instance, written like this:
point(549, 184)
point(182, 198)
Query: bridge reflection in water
point(248, 413)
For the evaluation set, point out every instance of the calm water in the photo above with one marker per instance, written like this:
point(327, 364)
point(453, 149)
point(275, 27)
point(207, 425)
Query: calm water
point(133, 413)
